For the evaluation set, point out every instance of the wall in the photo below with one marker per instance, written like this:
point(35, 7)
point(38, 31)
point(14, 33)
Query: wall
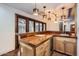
point(7, 27)
point(51, 26)
point(78, 29)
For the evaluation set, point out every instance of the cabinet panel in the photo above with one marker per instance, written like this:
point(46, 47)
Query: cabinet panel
point(43, 49)
point(26, 50)
point(65, 45)
point(70, 48)
point(59, 44)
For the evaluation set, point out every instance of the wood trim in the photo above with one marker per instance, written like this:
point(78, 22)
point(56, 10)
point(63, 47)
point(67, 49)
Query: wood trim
point(39, 27)
point(16, 31)
point(34, 49)
point(45, 26)
point(62, 53)
point(34, 26)
point(42, 27)
point(27, 25)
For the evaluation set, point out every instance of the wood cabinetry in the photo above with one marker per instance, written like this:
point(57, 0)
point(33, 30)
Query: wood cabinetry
point(41, 50)
point(59, 44)
point(70, 46)
point(25, 50)
point(65, 45)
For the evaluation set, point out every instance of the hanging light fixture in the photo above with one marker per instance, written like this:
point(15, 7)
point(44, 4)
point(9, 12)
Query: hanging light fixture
point(35, 10)
point(49, 18)
point(44, 15)
point(55, 18)
point(63, 17)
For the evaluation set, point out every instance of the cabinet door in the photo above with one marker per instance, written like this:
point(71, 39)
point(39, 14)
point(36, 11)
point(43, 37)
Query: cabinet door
point(59, 44)
point(26, 50)
point(43, 50)
point(40, 50)
point(70, 48)
point(47, 48)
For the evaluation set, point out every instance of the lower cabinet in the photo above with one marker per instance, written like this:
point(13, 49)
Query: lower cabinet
point(70, 46)
point(41, 50)
point(26, 50)
point(44, 49)
point(65, 45)
point(59, 44)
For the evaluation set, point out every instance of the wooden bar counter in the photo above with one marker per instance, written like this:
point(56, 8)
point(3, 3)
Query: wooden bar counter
point(38, 45)
point(44, 44)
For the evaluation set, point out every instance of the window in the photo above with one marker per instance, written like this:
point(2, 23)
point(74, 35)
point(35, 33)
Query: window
point(21, 25)
point(36, 27)
point(25, 24)
point(41, 27)
point(31, 26)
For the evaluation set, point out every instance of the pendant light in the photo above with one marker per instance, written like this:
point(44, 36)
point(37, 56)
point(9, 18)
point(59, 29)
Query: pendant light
point(49, 18)
point(55, 18)
point(35, 10)
point(63, 17)
point(44, 15)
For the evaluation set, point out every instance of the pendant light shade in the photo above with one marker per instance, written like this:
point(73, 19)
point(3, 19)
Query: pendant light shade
point(55, 18)
point(44, 15)
point(35, 11)
point(49, 18)
point(55, 21)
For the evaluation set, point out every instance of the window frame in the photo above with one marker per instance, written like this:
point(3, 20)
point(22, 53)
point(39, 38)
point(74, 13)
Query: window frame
point(27, 23)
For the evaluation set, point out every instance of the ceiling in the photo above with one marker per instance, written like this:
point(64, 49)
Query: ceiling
point(55, 7)
point(28, 7)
